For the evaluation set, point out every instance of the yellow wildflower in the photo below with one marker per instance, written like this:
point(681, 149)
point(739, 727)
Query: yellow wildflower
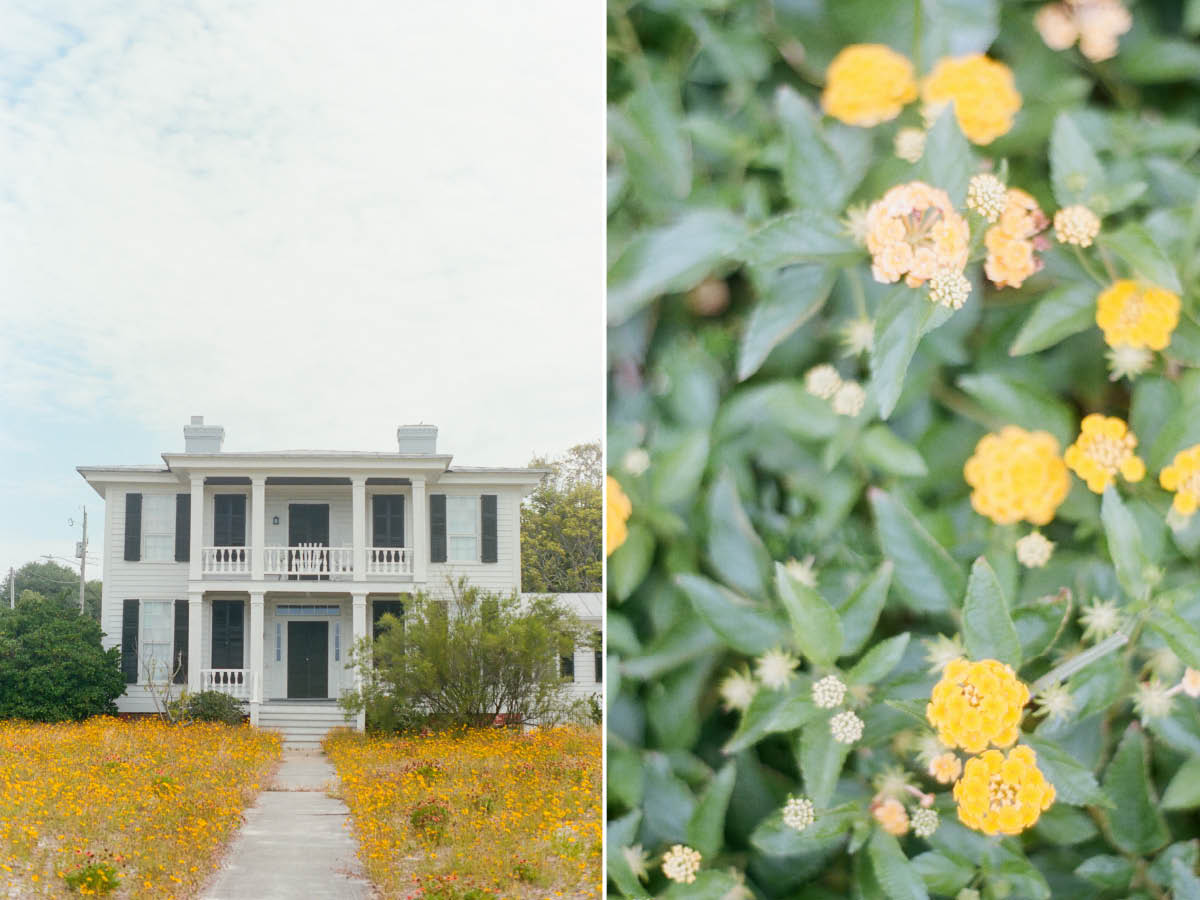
point(1001, 794)
point(1011, 242)
point(867, 84)
point(616, 514)
point(976, 704)
point(891, 815)
point(1104, 448)
point(1140, 315)
point(1017, 474)
point(945, 767)
point(982, 90)
point(914, 231)
point(1183, 477)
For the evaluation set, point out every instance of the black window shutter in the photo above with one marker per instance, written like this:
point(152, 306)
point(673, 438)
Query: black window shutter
point(437, 528)
point(379, 518)
point(487, 503)
point(238, 524)
point(228, 632)
point(229, 520)
point(179, 661)
point(183, 527)
point(129, 637)
point(398, 520)
point(133, 527)
point(388, 517)
point(599, 664)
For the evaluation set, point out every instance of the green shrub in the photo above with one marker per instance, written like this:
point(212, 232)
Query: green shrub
point(52, 666)
point(208, 706)
point(786, 530)
point(93, 878)
point(430, 818)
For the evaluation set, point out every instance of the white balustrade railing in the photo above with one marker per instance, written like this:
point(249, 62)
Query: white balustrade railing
point(309, 560)
point(225, 560)
point(234, 682)
point(389, 561)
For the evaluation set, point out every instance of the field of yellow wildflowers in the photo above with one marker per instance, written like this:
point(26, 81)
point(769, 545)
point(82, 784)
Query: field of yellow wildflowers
point(143, 804)
point(475, 813)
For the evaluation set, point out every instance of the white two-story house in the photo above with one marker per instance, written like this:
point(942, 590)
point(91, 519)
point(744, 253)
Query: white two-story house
point(255, 573)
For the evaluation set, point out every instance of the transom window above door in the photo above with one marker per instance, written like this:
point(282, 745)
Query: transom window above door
point(229, 520)
point(462, 528)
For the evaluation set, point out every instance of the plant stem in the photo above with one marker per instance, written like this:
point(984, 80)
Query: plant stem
point(860, 298)
point(1087, 266)
point(1065, 670)
point(958, 402)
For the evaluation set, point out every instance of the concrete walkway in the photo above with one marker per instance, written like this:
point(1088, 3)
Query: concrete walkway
point(294, 842)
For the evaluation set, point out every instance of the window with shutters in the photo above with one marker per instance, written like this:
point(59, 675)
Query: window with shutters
point(158, 629)
point(462, 528)
point(229, 520)
point(566, 658)
point(158, 528)
point(387, 520)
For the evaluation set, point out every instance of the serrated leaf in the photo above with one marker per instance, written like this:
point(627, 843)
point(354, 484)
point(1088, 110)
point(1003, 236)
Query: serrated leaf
point(621, 833)
point(1184, 883)
point(1062, 312)
point(1133, 245)
point(821, 759)
point(1181, 636)
point(816, 628)
point(679, 462)
point(649, 132)
point(1125, 544)
point(1183, 792)
point(1039, 626)
point(791, 298)
point(774, 838)
point(929, 578)
point(948, 162)
point(784, 405)
point(734, 549)
point(706, 828)
point(896, 875)
point(813, 172)
point(879, 661)
point(772, 711)
point(806, 236)
point(1073, 784)
point(885, 451)
point(861, 609)
point(667, 802)
point(899, 324)
point(1135, 824)
point(746, 628)
point(1075, 170)
point(710, 885)
point(1108, 872)
point(629, 563)
point(988, 631)
point(943, 874)
point(1065, 825)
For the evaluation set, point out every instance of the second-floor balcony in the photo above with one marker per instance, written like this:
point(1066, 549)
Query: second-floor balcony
point(308, 561)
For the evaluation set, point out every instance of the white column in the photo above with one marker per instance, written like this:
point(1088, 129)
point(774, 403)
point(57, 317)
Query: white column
point(359, 526)
point(258, 524)
point(197, 526)
point(359, 632)
point(195, 639)
point(256, 654)
point(420, 539)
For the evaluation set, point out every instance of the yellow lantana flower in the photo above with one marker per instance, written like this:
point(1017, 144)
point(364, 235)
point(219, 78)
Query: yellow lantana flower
point(945, 767)
point(1183, 477)
point(1000, 794)
point(616, 513)
point(1017, 474)
point(1011, 241)
point(1104, 448)
point(913, 231)
point(976, 704)
point(867, 84)
point(982, 90)
point(1140, 315)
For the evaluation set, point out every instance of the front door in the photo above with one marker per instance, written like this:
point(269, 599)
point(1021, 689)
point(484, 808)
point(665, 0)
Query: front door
point(308, 523)
point(308, 659)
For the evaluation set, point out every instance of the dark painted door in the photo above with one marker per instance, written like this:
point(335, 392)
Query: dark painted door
point(308, 523)
point(308, 659)
point(228, 633)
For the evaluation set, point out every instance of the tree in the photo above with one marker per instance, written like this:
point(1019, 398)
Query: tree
point(464, 661)
point(561, 544)
point(58, 583)
point(52, 665)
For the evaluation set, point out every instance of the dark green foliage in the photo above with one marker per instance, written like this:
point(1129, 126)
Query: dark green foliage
point(52, 666)
point(208, 706)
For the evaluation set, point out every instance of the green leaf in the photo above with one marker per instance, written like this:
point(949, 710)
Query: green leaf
point(743, 627)
point(1075, 170)
point(792, 297)
point(1181, 636)
point(861, 609)
point(821, 759)
point(882, 449)
point(816, 628)
point(1065, 825)
point(1112, 873)
point(899, 879)
point(901, 321)
point(734, 550)
point(770, 712)
point(1133, 245)
point(629, 563)
point(1185, 343)
point(1184, 790)
point(1039, 626)
point(1124, 544)
point(1073, 784)
point(988, 630)
point(679, 462)
point(941, 873)
point(785, 405)
point(947, 162)
point(621, 833)
point(1021, 403)
point(926, 575)
point(800, 237)
point(1063, 311)
point(813, 173)
point(668, 803)
point(706, 828)
point(774, 838)
point(649, 131)
point(879, 661)
point(669, 259)
point(1184, 883)
point(1135, 824)
point(709, 885)
point(1159, 60)
point(1186, 852)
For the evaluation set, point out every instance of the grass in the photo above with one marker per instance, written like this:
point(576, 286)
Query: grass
point(475, 814)
point(143, 803)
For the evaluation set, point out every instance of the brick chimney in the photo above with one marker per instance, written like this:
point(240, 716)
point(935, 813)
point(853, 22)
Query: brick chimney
point(201, 438)
point(416, 440)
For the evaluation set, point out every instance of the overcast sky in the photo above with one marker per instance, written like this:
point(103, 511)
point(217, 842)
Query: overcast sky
point(308, 222)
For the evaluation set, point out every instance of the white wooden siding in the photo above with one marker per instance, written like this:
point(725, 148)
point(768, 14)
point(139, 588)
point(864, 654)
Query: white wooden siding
point(502, 576)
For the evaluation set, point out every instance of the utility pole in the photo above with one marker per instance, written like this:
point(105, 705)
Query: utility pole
point(83, 562)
